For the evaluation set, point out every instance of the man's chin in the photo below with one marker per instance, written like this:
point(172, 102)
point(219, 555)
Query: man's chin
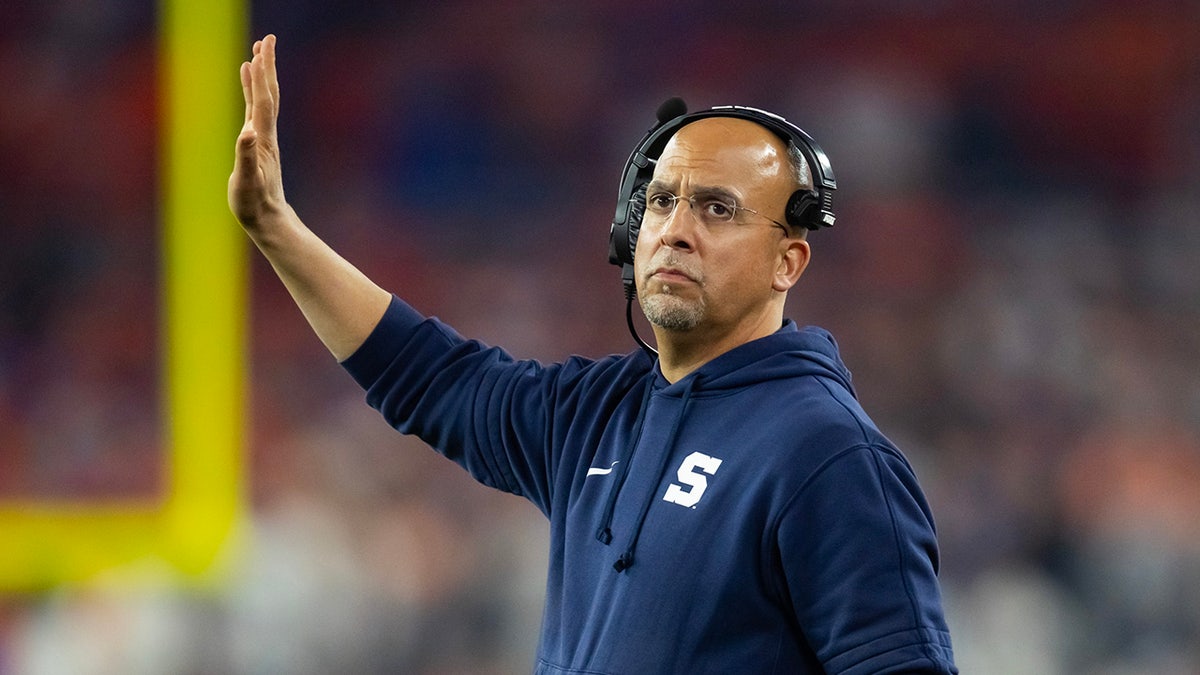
point(672, 312)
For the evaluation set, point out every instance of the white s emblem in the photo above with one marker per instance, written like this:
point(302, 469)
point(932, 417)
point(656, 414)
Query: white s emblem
point(692, 474)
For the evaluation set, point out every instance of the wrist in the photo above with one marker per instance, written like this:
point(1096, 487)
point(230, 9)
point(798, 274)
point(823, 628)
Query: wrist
point(274, 227)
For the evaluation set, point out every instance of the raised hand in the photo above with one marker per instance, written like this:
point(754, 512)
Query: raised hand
point(339, 301)
point(256, 185)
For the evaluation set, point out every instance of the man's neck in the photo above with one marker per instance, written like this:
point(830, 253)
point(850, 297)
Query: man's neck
point(680, 353)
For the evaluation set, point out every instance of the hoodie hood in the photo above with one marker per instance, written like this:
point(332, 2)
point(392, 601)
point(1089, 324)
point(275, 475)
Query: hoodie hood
point(789, 352)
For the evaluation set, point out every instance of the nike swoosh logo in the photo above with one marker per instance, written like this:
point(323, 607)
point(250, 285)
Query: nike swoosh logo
point(594, 471)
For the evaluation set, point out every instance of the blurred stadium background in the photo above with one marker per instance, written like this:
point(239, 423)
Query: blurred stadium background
point(1014, 279)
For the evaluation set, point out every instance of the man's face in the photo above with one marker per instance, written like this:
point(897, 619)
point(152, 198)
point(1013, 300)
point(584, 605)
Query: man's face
point(691, 276)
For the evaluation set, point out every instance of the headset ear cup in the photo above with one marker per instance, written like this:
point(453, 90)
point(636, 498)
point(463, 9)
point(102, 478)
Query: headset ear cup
point(622, 237)
point(637, 210)
point(802, 209)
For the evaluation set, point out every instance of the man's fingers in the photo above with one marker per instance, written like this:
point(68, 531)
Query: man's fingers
point(245, 160)
point(247, 92)
point(246, 140)
point(272, 73)
point(255, 164)
point(263, 107)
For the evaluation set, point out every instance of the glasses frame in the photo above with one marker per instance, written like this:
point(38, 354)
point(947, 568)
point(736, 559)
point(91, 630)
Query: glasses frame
point(728, 203)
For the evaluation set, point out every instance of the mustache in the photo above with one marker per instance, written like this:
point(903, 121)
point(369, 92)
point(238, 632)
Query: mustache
point(671, 260)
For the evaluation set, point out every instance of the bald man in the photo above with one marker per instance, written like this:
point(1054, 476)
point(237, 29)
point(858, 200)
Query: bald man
point(724, 506)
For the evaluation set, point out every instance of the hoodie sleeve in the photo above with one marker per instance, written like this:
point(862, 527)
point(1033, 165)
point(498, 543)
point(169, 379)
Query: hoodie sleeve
point(473, 403)
point(860, 562)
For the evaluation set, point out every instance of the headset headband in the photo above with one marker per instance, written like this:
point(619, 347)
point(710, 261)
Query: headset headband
point(808, 208)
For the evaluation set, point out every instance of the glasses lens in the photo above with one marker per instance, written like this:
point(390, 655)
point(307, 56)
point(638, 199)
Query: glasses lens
point(660, 204)
point(710, 210)
point(714, 210)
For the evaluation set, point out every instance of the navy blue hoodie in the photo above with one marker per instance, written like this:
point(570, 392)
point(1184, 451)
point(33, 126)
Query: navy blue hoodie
point(749, 518)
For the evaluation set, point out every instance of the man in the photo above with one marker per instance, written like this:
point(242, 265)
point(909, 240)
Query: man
point(726, 507)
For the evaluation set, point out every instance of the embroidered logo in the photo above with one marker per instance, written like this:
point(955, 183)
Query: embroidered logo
point(599, 471)
point(694, 474)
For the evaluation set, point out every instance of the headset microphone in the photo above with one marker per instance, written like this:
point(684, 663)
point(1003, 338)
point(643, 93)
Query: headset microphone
point(670, 109)
point(810, 208)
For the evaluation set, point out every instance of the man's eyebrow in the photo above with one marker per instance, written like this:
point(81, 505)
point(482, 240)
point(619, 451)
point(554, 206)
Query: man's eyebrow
point(658, 185)
point(722, 193)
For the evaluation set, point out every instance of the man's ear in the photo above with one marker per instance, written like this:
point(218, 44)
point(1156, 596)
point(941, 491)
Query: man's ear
point(792, 262)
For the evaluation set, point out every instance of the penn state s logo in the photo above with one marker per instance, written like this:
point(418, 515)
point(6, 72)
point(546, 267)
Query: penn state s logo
point(692, 478)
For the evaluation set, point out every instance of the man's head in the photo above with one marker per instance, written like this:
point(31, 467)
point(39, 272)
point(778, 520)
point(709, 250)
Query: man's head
point(713, 256)
point(810, 208)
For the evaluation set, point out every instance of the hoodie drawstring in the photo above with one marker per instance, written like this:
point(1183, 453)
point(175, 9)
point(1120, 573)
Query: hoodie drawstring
point(626, 560)
point(604, 531)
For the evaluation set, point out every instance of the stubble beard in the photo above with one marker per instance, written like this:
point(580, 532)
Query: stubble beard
point(671, 312)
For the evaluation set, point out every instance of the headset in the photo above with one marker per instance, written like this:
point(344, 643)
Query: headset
point(811, 209)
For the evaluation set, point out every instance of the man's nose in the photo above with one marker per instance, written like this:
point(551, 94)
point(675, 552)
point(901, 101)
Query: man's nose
point(679, 228)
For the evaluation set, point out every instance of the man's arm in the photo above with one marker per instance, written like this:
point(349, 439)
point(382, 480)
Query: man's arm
point(860, 560)
point(340, 303)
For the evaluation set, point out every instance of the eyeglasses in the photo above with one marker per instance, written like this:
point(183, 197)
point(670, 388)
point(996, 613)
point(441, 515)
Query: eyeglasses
point(714, 210)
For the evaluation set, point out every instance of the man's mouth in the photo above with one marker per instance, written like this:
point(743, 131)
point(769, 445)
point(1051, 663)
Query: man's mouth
point(669, 275)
